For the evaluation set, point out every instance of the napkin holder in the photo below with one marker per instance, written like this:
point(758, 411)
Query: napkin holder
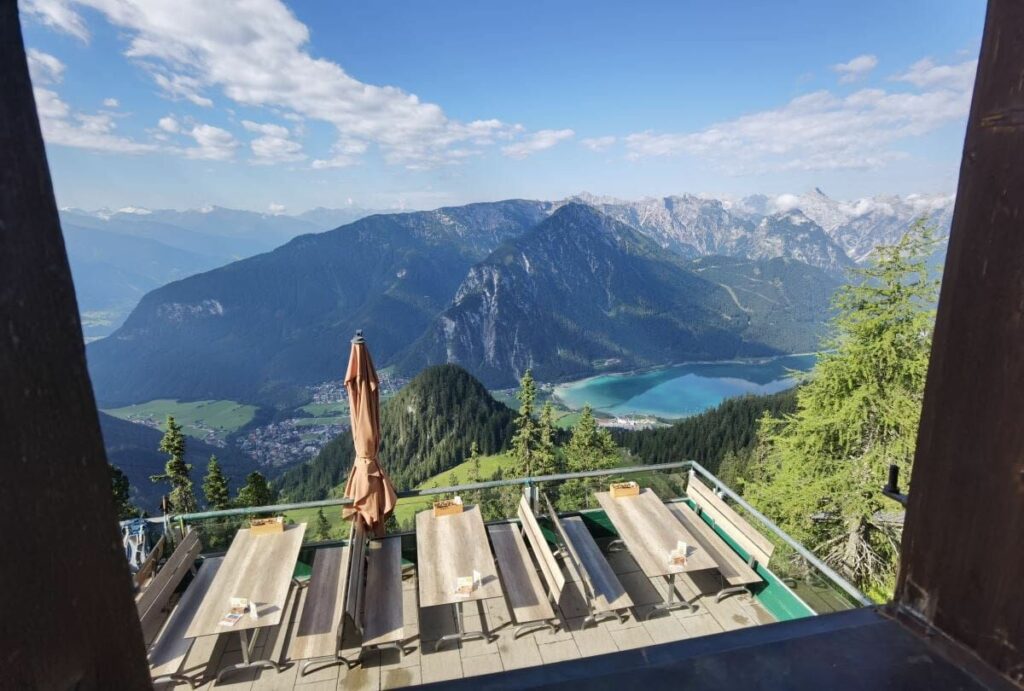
point(448, 507)
point(624, 489)
point(266, 526)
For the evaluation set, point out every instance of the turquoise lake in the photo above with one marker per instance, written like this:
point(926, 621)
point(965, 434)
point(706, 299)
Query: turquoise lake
point(682, 390)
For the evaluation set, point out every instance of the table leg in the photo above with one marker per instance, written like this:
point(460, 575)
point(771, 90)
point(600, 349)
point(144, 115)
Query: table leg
point(247, 662)
point(462, 634)
point(670, 602)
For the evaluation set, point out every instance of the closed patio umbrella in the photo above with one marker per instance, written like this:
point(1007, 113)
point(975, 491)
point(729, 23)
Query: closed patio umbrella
point(373, 496)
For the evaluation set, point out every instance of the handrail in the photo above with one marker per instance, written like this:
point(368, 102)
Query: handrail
point(429, 491)
point(719, 486)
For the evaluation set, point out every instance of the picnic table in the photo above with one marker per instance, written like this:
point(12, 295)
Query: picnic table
point(449, 547)
point(257, 567)
point(650, 533)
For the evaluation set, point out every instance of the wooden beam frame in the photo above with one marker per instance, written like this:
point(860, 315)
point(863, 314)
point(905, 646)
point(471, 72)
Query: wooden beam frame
point(68, 616)
point(963, 545)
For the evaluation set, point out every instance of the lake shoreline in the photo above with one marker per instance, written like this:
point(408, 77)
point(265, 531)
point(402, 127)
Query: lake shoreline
point(730, 387)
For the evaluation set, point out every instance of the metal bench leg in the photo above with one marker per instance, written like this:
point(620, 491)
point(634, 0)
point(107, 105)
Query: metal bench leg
point(523, 629)
point(193, 682)
point(325, 662)
point(726, 592)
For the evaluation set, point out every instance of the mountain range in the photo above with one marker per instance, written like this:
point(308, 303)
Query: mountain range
point(118, 256)
point(566, 287)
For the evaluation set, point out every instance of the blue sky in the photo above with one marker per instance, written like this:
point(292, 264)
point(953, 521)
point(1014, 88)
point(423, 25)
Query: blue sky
point(270, 106)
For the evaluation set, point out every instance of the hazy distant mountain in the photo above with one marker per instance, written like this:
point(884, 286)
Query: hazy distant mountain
point(118, 256)
point(259, 328)
point(582, 289)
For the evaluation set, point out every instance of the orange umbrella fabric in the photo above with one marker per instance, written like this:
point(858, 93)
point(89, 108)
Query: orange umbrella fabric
point(373, 496)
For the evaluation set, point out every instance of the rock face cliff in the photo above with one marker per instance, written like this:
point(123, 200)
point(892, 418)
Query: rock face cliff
point(582, 290)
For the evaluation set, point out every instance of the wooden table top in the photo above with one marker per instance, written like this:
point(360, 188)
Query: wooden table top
point(651, 532)
point(448, 547)
point(258, 567)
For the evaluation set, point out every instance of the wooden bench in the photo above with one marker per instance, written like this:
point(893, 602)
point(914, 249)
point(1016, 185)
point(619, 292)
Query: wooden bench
point(167, 645)
point(140, 579)
point(739, 574)
point(336, 597)
point(529, 602)
point(606, 597)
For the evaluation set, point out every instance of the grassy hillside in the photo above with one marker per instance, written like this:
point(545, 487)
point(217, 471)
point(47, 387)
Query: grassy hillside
point(199, 419)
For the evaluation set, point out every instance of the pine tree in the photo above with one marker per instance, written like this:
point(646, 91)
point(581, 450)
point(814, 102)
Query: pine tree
point(590, 448)
point(122, 495)
point(323, 526)
point(545, 459)
point(474, 464)
point(215, 487)
point(819, 472)
point(524, 442)
point(256, 492)
point(177, 471)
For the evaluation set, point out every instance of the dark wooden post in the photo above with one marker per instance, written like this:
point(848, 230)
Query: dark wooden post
point(963, 547)
point(67, 618)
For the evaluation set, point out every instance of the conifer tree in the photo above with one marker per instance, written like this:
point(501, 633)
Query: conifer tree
point(545, 458)
point(121, 489)
point(255, 492)
point(177, 471)
point(323, 526)
point(590, 448)
point(524, 442)
point(819, 472)
point(215, 487)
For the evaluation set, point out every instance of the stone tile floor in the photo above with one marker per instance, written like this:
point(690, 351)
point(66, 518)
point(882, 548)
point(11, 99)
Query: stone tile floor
point(389, 670)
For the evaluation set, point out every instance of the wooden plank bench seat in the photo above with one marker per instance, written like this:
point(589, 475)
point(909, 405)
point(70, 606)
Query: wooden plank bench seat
point(604, 593)
point(168, 653)
point(337, 598)
point(737, 572)
point(382, 603)
point(731, 566)
point(525, 593)
point(165, 635)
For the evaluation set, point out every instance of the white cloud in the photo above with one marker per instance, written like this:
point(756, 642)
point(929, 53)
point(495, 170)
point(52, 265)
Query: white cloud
point(276, 209)
point(179, 86)
point(169, 124)
point(44, 68)
point(816, 131)
point(58, 15)
point(537, 141)
point(855, 69)
point(212, 143)
point(268, 129)
point(925, 74)
point(97, 132)
point(598, 143)
point(345, 153)
point(111, 103)
point(258, 56)
point(274, 146)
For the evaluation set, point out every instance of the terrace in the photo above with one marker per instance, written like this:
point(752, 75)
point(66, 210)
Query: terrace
point(793, 586)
